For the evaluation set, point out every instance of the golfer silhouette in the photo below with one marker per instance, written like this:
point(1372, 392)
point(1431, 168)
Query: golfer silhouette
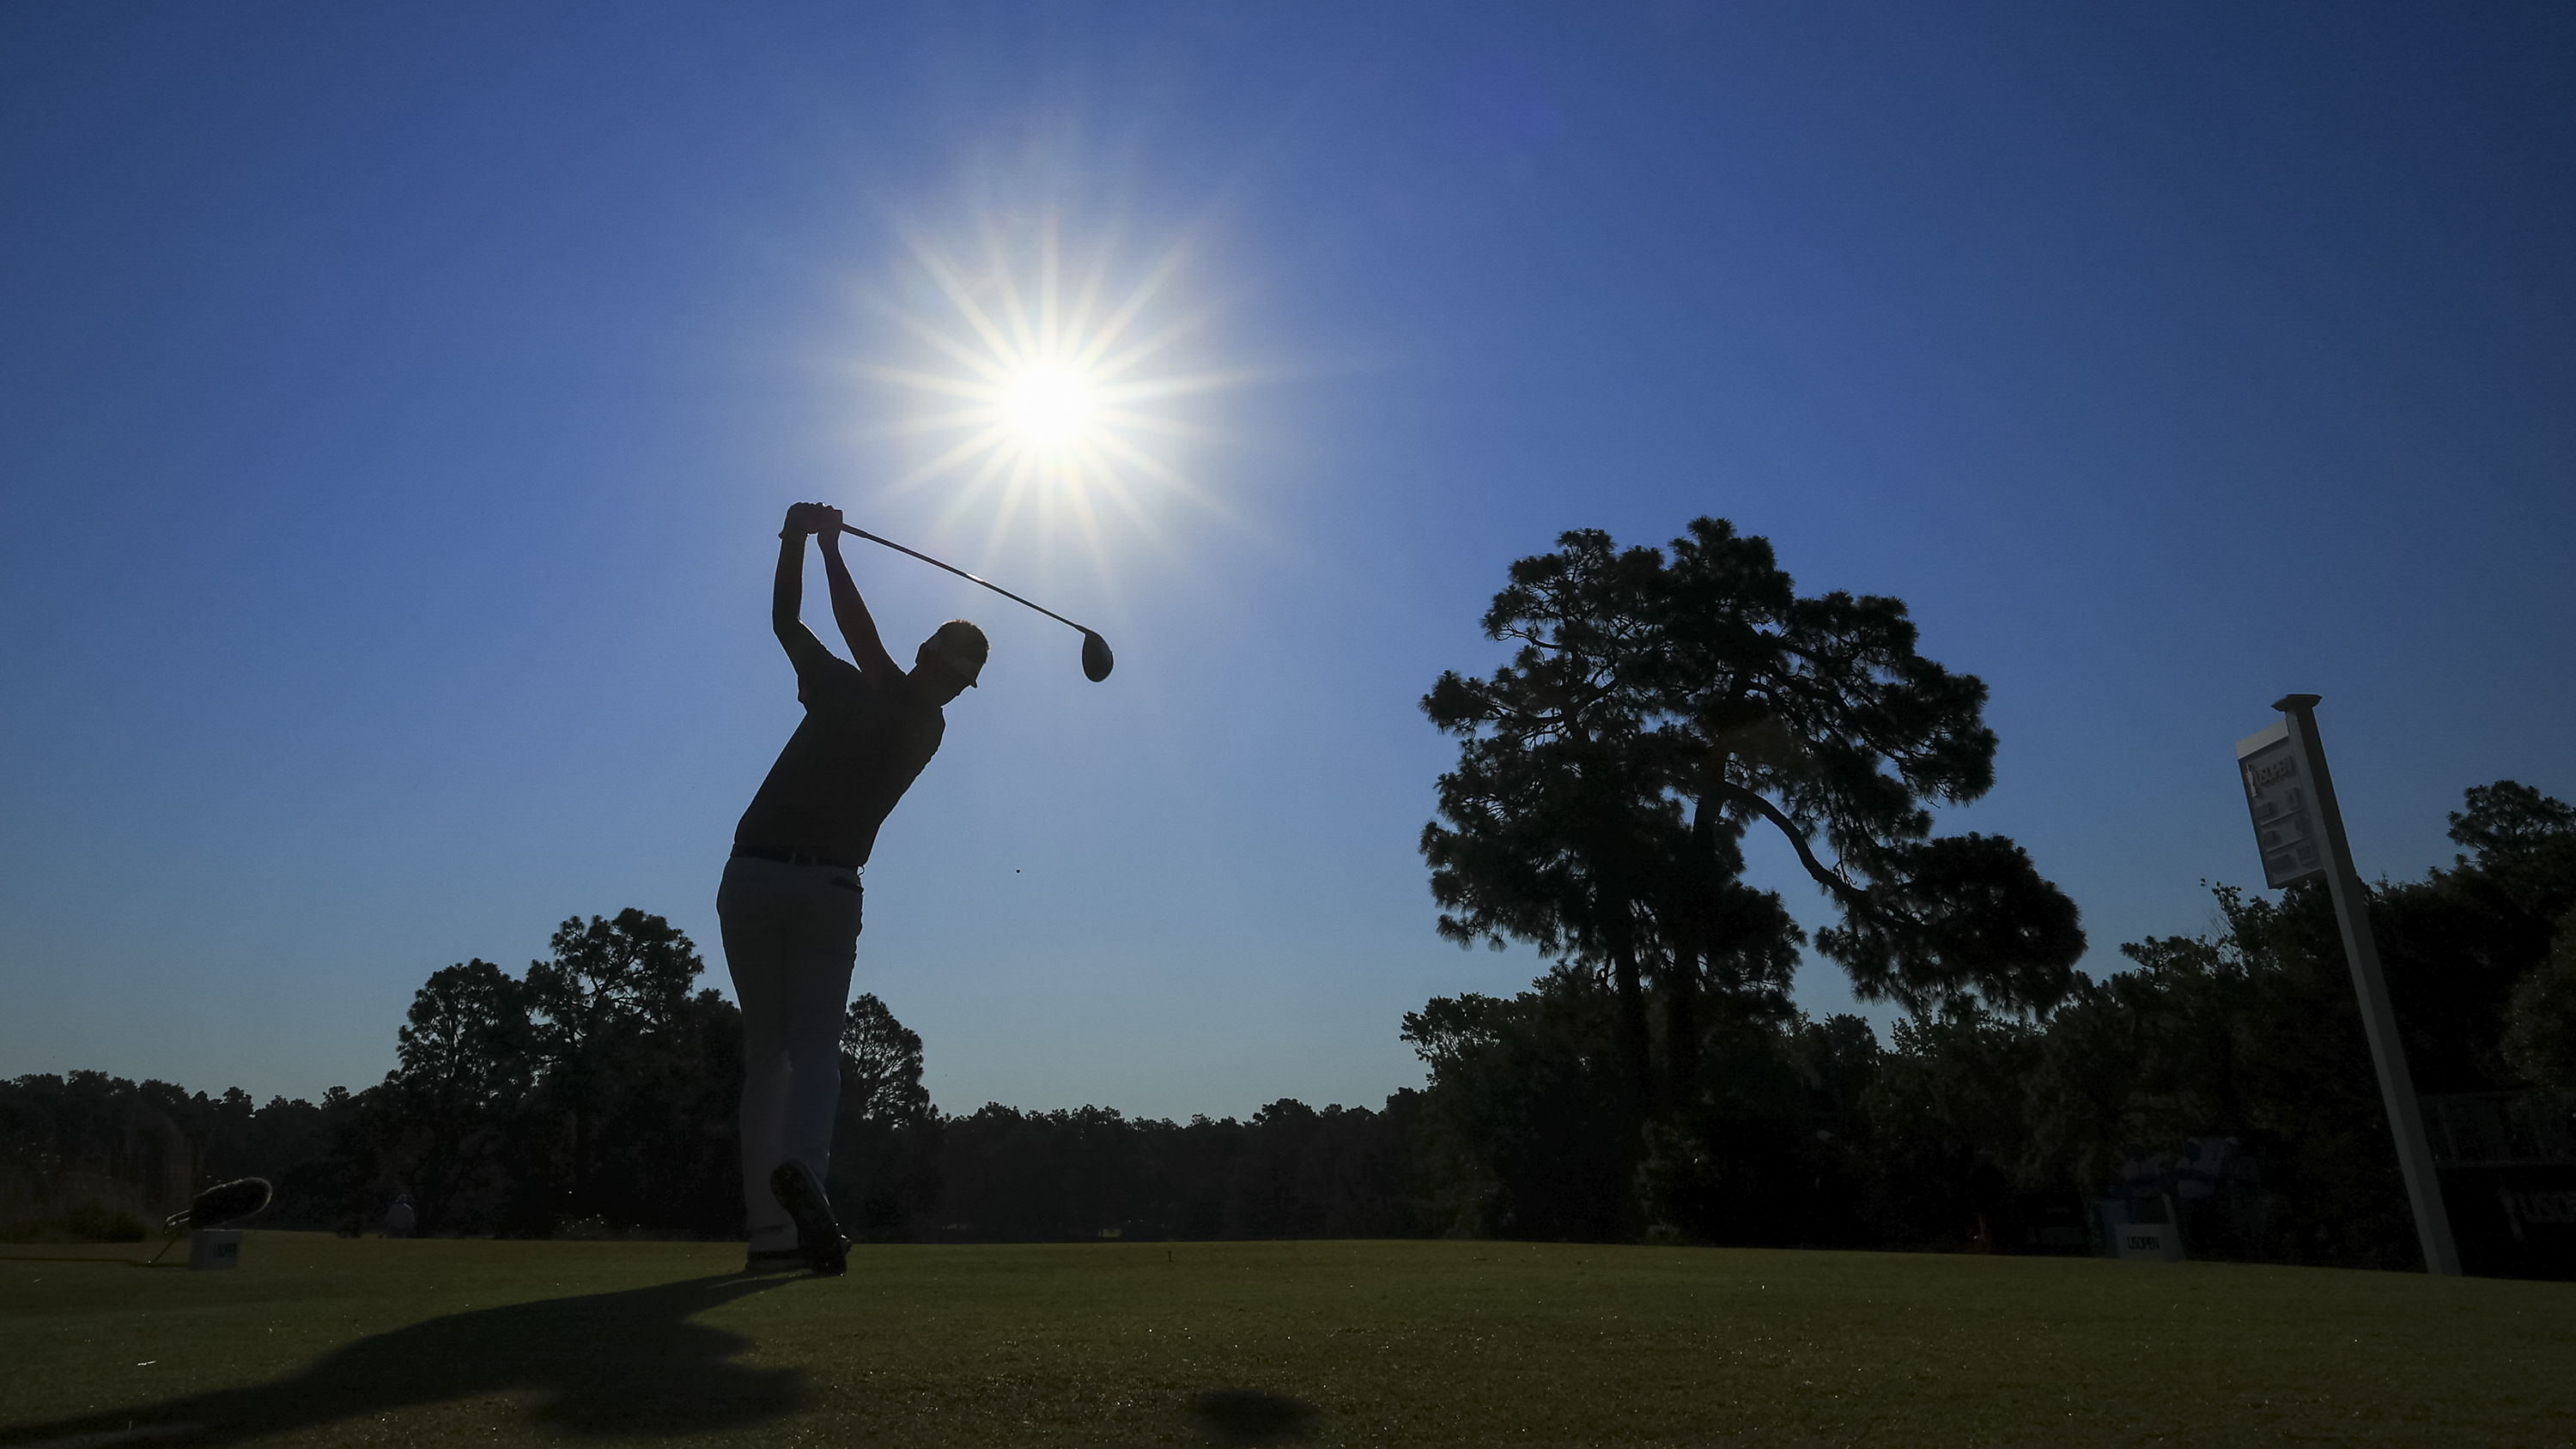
point(791, 894)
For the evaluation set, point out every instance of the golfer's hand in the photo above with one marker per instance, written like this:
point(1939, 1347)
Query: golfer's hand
point(799, 521)
point(827, 523)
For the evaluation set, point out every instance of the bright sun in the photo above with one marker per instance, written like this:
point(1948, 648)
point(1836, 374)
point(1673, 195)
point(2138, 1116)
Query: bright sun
point(1053, 392)
point(1050, 406)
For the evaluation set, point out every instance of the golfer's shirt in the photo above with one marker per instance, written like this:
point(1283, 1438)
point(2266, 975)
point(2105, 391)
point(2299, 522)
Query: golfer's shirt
point(859, 748)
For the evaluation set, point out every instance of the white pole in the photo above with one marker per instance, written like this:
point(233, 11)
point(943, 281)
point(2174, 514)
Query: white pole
point(2378, 1020)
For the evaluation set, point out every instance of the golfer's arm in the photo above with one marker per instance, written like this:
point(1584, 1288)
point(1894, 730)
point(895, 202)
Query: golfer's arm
point(787, 603)
point(858, 628)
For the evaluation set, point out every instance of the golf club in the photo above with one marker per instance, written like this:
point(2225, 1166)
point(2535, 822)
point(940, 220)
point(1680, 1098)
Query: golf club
point(1097, 661)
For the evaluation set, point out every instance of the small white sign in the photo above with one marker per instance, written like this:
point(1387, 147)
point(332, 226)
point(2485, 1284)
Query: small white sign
point(2280, 793)
point(2148, 1243)
point(214, 1248)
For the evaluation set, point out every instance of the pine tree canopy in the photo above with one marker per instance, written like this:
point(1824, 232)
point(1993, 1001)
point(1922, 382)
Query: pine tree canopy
point(1658, 706)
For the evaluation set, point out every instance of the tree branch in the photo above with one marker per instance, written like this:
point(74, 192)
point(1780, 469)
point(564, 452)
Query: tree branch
point(1850, 895)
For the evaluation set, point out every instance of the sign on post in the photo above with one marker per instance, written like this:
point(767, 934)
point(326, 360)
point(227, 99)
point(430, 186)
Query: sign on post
point(2280, 790)
point(2292, 796)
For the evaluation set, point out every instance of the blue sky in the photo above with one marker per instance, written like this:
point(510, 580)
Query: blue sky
point(397, 406)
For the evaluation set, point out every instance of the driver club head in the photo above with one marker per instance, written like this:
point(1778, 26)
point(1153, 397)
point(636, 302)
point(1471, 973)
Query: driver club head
point(228, 1203)
point(1097, 661)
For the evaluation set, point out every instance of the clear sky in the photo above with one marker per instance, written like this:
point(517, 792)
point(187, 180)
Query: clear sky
point(398, 403)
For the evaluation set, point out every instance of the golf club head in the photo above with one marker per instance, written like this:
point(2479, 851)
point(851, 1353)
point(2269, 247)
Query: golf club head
point(226, 1203)
point(1097, 661)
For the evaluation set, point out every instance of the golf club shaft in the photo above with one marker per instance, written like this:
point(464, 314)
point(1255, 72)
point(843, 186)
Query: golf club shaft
point(961, 573)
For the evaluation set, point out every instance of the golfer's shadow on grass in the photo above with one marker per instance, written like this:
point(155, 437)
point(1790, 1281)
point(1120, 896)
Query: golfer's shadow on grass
point(626, 1363)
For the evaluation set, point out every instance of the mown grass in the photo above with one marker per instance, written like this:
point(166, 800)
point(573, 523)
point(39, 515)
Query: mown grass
point(320, 1341)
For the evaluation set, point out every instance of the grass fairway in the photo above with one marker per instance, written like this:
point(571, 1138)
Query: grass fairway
point(316, 1340)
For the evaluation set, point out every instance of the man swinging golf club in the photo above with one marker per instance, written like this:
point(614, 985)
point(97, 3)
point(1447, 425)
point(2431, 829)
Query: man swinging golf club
point(790, 900)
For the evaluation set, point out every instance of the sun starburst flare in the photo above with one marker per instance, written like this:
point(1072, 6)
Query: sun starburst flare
point(1036, 395)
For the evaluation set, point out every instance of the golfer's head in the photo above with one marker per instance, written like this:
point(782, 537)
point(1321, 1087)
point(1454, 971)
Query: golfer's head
point(951, 658)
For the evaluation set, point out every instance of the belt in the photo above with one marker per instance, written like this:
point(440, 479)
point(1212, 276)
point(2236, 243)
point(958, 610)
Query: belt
point(789, 857)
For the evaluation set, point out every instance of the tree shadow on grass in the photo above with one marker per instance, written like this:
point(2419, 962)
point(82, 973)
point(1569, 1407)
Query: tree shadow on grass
point(1249, 1416)
point(627, 1363)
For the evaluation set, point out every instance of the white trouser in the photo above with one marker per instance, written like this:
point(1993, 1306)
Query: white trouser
point(791, 934)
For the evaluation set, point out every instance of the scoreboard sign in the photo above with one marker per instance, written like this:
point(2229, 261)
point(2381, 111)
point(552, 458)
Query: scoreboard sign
point(2300, 832)
point(2280, 792)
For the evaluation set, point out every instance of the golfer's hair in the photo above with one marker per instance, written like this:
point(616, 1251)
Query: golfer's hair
point(963, 640)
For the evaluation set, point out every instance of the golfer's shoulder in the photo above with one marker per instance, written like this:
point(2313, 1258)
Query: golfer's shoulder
point(826, 678)
point(917, 723)
point(917, 716)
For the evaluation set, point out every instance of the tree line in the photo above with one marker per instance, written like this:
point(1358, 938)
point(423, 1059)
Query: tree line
point(1971, 1127)
point(1657, 1083)
point(501, 1119)
point(1660, 705)
point(596, 1094)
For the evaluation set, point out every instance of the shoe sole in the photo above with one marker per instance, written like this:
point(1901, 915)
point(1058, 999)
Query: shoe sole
point(818, 1235)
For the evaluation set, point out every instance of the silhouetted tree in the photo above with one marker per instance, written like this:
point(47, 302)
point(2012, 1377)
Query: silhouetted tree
point(463, 1074)
point(1652, 713)
point(2540, 1020)
point(1819, 717)
point(880, 1064)
point(1291, 1171)
point(885, 1164)
point(609, 985)
point(1771, 1149)
point(1561, 823)
point(2249, 1033)
point(666, 1155)
point(1528, 1122)
point(2523, 848)
point(2472, 964)
point(87, 1156)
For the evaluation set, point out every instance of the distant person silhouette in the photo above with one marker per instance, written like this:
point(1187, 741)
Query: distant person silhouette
point(791, 894)
point(398, 1218)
